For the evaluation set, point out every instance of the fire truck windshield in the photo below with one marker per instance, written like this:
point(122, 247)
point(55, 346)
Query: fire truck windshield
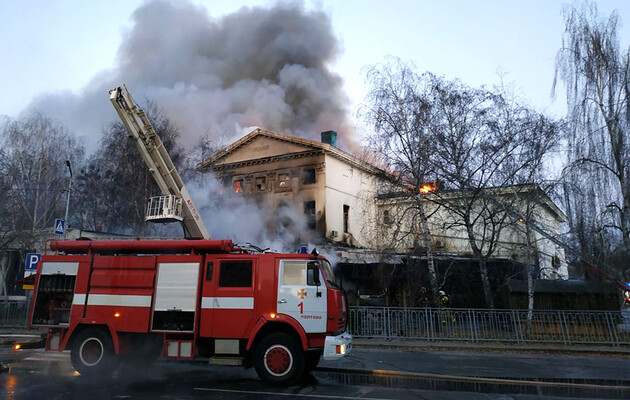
point(328, 274)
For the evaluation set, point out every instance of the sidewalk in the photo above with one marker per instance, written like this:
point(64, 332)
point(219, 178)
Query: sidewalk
point(401, 344)
point(8, 336)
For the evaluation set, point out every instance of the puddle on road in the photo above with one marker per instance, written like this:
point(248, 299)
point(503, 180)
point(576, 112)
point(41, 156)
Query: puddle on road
point(578, 388)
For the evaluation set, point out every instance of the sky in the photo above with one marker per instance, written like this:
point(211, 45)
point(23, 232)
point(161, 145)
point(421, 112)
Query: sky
point(63, 47)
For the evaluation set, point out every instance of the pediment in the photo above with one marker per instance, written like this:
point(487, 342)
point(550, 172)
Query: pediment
point(261, 147)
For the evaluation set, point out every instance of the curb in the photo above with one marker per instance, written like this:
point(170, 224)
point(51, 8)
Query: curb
point(357, 343)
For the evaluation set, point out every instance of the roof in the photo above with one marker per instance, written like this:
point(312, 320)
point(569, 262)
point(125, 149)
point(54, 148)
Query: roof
point(306, 143)
point(507, 189)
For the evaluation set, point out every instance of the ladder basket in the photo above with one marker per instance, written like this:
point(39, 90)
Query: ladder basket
point(164, 209)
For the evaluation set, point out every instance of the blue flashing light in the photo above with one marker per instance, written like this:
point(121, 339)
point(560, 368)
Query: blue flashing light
point(303, 250)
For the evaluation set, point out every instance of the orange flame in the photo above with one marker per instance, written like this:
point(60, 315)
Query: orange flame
point(428, 187)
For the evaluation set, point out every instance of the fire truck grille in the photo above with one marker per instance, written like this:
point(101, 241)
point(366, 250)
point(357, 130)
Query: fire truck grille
point(341, 323)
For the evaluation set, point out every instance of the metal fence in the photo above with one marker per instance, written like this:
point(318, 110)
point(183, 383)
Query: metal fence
point(457, 324)
point(14, 313)
point(478, 325)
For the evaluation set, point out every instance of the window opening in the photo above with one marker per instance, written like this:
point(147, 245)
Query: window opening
point(235, 274)
point(284, 181)
point(238, 186)
point(309, 211)
point(308, 176)
point(261, 184)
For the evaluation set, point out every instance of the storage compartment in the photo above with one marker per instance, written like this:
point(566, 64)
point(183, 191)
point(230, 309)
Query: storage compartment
point(54, 300)
point(173, 321)
point(179, 349)
point(175, 297)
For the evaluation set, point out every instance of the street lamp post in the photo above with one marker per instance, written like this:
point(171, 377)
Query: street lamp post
point(68, 198)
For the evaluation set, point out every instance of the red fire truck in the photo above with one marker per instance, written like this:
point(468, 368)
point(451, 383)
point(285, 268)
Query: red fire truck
point(185, 299)
point(191, 298)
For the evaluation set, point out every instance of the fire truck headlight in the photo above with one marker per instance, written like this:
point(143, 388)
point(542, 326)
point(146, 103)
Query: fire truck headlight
point(272, 315)
point(341, 349)
point(117, 315)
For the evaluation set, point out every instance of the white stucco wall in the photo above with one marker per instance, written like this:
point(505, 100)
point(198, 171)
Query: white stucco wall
point(351, 186)
point(449, 236)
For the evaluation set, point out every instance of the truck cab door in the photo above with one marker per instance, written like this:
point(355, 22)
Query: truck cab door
point(228, 298)
point(302, 294)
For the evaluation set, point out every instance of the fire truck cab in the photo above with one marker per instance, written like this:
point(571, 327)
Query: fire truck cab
point(109, 301)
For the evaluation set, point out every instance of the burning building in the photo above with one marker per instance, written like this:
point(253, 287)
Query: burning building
point(371, 231)
point(324, 183)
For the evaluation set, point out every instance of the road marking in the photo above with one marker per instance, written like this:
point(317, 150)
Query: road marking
point(319, 396)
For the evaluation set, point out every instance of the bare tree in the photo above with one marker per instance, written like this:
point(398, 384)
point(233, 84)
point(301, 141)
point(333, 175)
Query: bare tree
point(595, 70)
point(116, 183)
point(33, 180)
point(395, 110)
point(485, 140)
point(471, 140)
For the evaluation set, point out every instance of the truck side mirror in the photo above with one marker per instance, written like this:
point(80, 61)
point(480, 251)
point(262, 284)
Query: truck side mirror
point(313, 274)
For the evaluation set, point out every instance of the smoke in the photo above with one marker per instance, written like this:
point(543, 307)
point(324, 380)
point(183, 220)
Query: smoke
point(229, 215)
point(265, 67)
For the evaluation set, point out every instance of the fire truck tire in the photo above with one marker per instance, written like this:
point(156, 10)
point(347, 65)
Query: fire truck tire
point(92, 352)
point(279, 359)
point(311, 359)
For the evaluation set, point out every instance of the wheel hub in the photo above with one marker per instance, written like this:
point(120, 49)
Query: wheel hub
point(278, 360)
point(91, 351)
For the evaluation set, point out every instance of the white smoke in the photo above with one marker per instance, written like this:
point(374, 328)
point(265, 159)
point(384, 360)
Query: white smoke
point(265, 67)
point(229, 215)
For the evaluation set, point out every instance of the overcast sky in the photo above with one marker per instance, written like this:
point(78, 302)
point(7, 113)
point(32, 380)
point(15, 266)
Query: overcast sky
point(57, 46)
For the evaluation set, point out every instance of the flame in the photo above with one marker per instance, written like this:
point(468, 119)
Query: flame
point(237, 187)
point(428, 187)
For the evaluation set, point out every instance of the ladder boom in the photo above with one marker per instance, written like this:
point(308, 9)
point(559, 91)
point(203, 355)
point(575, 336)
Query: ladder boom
point(156, 157)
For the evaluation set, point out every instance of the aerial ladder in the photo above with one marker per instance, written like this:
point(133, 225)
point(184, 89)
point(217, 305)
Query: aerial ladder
point(175, 204)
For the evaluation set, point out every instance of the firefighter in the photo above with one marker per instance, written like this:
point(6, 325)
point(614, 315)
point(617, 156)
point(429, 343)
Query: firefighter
point(424, 300)
point(445, 304)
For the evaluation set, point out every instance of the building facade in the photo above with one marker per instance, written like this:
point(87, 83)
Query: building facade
point(328, 186)
point(371, 224)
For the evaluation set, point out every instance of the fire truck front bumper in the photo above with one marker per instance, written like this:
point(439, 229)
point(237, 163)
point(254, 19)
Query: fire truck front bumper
point(336, 347)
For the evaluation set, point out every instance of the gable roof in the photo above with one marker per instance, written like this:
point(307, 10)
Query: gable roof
point(308, 144)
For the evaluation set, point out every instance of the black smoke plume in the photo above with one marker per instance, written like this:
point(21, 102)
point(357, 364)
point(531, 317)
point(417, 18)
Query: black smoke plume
point(265, 67)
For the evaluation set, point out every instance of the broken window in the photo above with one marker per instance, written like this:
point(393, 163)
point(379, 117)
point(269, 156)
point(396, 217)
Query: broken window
point(238, 186)
point(308, 176)
point(346, 216)
point(284, 181)
point(261, 184)
point(309, 211)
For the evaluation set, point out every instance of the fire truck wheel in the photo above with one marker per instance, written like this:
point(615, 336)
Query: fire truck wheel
point(279, 359)
point(92, 352)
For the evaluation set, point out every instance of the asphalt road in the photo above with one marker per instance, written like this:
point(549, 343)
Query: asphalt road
point(35, 374)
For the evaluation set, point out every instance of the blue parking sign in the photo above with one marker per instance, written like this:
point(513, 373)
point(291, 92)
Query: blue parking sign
point(32, 261)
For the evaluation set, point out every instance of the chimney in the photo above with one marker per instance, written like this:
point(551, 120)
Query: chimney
point(330, 137)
